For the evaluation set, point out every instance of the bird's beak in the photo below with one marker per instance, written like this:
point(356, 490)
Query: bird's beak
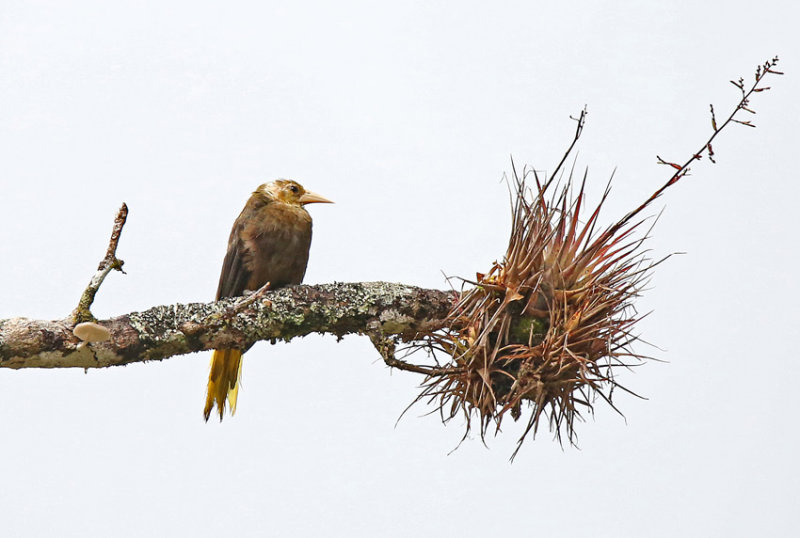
point(313, 198)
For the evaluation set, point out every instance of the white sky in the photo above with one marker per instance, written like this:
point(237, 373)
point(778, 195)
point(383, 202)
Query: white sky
point(405, 116)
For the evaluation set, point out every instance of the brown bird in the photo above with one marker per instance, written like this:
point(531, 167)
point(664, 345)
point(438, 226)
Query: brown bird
point(269, 243)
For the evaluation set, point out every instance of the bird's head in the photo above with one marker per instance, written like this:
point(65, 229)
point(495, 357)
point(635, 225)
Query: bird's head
point(290, 192)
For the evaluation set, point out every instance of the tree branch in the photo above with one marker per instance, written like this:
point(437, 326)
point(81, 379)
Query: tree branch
point(167, 331)
point(82, 312)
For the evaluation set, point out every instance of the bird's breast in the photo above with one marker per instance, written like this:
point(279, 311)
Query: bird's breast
point(278, 242)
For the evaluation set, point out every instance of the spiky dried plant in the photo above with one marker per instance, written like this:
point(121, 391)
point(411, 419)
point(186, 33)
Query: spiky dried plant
point(545, 329)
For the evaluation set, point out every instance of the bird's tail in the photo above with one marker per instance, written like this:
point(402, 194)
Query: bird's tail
point(223, 381)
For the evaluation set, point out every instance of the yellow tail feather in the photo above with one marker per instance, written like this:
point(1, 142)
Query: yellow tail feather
point(223, 381)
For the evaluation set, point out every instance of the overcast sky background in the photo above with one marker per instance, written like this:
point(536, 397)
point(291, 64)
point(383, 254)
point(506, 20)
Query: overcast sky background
point(405, 115)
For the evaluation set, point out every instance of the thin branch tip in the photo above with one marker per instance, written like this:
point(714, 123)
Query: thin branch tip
point(82, 312)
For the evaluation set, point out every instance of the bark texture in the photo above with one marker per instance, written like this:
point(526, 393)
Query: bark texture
point(372, 308)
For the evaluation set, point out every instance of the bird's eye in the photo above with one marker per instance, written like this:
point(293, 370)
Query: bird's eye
point(294, 189)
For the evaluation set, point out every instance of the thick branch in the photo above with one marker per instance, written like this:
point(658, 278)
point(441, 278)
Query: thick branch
point(166, 331)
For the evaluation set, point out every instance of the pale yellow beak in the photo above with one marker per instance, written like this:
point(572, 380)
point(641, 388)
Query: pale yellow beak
point(313, 198)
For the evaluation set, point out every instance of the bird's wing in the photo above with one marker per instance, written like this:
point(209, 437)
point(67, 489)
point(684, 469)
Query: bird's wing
point(267, 244)
point(236, 269)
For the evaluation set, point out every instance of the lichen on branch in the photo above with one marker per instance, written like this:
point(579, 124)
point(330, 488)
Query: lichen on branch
point(395, 310)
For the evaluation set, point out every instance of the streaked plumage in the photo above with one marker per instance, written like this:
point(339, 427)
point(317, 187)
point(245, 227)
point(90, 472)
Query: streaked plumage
point(269, 242)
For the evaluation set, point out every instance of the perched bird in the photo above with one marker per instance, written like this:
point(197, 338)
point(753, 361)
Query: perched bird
point(269, 243)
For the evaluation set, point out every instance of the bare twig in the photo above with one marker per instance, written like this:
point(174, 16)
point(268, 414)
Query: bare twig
point(110, 262)
point(386, 347)
point(246, 300)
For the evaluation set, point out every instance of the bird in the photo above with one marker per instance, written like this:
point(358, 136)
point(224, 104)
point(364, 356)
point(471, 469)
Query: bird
point(268, 245)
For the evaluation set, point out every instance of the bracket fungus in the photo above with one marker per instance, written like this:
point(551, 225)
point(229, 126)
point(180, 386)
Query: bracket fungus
point(90, 332)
